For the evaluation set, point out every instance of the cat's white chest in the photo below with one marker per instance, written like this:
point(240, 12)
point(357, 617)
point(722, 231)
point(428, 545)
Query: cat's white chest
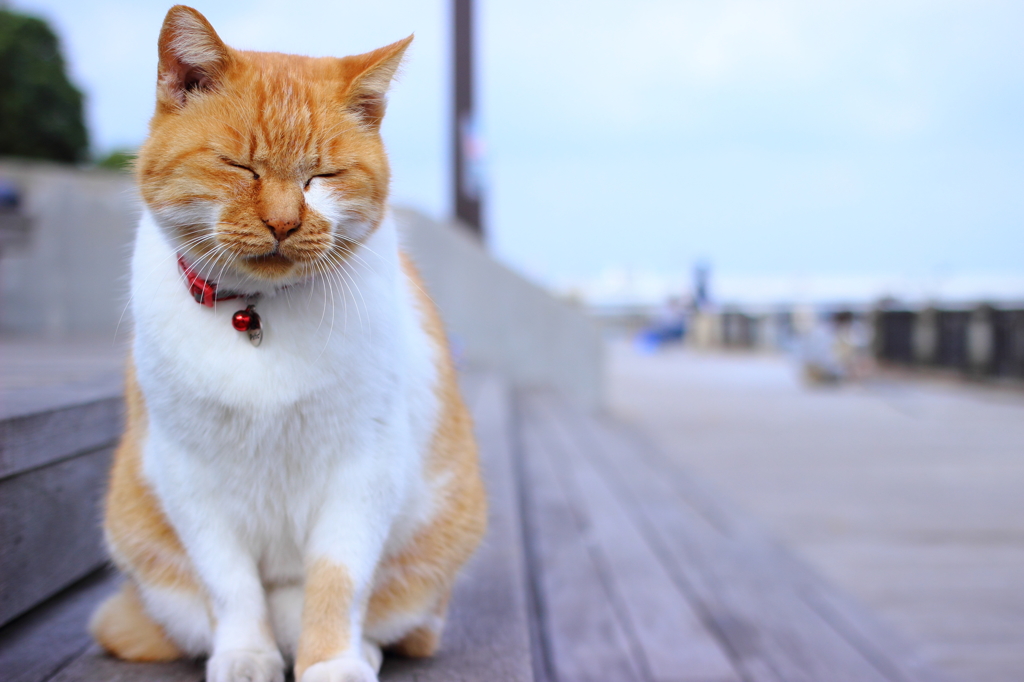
point(256, 433)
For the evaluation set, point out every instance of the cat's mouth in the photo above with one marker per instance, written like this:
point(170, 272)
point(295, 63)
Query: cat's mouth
point(270, 265)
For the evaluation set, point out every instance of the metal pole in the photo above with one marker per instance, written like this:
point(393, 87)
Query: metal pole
point(466, 149)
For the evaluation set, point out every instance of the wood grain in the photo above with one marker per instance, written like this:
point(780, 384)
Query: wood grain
point(61, 428)
point(585, 636)
point(35, 646)
point(50, 529)
point(676, 644)
point(487, 636)
point(755, 600)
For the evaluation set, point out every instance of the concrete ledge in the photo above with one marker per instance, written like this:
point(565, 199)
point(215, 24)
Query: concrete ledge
point(499, 320)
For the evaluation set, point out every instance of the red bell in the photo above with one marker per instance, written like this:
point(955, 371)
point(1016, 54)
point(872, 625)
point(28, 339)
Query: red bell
point(241, 320)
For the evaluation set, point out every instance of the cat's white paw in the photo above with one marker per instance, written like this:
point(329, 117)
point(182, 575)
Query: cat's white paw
point(245, 666)
point(348, 669)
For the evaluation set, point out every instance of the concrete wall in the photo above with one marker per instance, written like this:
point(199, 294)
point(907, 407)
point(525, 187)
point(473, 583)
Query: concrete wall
point(68, 278)
point(499, 320)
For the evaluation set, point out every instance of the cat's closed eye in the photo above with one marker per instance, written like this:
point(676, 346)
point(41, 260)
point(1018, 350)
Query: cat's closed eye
point(255, 175)
point(332, 174)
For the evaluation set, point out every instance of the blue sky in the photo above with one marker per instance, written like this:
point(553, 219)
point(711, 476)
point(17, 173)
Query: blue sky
point(768, 138)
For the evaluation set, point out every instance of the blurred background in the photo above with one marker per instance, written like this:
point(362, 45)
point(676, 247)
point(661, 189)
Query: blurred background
point(785, 238)
point(804, 152)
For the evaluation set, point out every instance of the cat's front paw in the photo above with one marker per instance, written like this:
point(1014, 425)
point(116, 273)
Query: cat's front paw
point(347, 669)
point(245, 666)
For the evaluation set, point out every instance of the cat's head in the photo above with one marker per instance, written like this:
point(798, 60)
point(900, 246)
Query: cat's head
point(264, 164)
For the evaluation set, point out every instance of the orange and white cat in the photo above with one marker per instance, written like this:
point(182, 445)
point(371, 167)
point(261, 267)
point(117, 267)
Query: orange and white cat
point(309, 499)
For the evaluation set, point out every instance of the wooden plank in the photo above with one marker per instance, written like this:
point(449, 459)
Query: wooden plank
point(754, 600)
point(49, 435)
point(96, 666)
point(487, 634)
point(51, 643)
point(35, 646)
point(487, 637)
point(48, 383)
point(677, 645)
point(50, 530)
point(585, 636)
point(888, 650)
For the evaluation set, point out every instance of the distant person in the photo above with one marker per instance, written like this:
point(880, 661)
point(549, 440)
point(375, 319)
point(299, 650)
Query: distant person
point(852, 345)
point(818, 355)
point(835, 349)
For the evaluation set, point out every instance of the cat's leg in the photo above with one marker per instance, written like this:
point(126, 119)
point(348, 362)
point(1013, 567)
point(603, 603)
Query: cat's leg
point(162, 599)
point(410, 597)
point(243, 648)
point(330, 646)
point(285, 602)
point(341, 558)
point(286, 616)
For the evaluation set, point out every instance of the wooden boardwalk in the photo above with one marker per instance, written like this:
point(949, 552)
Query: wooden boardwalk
point(604, 562)
point(905, 493)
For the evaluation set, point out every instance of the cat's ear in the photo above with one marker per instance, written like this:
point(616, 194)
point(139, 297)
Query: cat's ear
point(192, 56)
point(369, 76)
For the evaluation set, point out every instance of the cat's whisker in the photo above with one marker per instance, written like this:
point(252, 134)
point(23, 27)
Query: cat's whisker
point(370, 250)
point(414, 283)
point(334, 309)
point(354, 254)
point(345, 292)
point(312, 288)
point(330, 331)
point(343, 272)
point(203, 260)
point(323, 312)
point(224, 265)
point(153, 273)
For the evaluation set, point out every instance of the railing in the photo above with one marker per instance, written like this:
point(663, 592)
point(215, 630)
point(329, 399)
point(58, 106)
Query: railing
point(980, 341)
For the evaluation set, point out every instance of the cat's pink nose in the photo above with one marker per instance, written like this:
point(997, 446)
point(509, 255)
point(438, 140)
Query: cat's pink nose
point(282, 227)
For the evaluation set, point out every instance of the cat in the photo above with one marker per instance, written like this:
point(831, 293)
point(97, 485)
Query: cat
point(298, 480)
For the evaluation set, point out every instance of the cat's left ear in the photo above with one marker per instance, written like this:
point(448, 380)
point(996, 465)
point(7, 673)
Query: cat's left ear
point(193, 58)
point(369, 76)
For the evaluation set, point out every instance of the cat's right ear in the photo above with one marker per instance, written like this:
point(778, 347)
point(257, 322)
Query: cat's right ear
point(192, 57)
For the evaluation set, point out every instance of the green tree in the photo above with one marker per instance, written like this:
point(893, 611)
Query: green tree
point(119, 160)
point(40, 110)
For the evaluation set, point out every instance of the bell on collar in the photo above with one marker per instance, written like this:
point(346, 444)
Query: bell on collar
point(248, 321)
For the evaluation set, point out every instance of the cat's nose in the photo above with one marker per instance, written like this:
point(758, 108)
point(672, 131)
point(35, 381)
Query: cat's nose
point(282, 228)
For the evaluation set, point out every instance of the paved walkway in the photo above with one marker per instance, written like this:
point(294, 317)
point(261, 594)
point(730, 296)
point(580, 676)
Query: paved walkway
point(910, 495)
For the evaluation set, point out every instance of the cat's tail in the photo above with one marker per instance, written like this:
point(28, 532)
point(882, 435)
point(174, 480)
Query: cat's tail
point(122, 627)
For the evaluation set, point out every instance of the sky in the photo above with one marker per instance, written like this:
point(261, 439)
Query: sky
point(781, 142)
